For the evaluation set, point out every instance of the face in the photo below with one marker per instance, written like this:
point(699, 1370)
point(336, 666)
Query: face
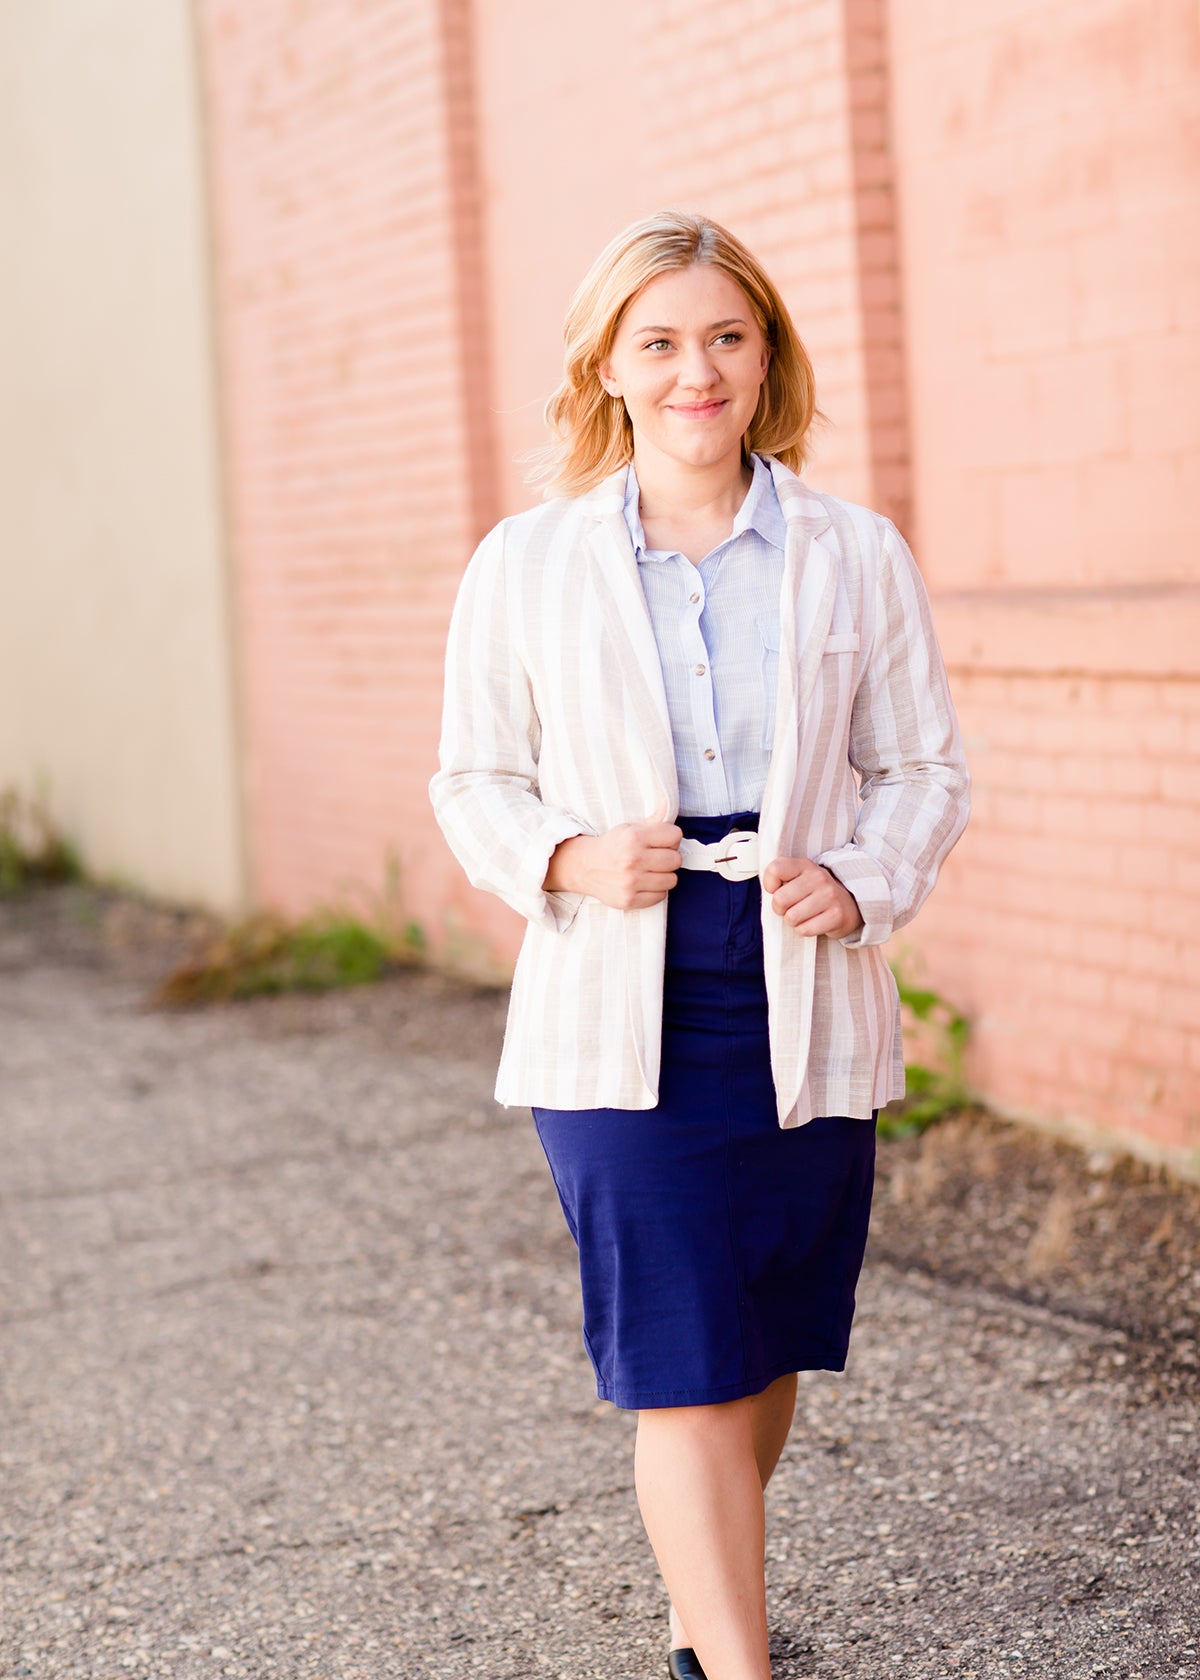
point(688, 360)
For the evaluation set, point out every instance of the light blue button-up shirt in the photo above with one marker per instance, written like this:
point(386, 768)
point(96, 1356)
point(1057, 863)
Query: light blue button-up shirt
point(717, 629)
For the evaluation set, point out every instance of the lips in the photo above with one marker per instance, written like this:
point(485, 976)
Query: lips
point(699, 411)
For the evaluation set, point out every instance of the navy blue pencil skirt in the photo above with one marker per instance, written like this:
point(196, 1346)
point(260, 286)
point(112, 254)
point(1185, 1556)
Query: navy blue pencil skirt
point(716, 1250)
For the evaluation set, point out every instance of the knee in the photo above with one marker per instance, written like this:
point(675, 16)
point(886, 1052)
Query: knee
point(724, 1421)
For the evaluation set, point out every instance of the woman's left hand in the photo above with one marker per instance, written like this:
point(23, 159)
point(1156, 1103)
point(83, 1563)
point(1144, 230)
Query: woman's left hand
point(810, 899)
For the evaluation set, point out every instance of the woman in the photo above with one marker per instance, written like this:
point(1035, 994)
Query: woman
point(686, 644)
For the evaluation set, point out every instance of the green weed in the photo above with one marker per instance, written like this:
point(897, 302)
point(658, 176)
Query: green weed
point(266, 954)
point(935, 1085)
point(32, 848)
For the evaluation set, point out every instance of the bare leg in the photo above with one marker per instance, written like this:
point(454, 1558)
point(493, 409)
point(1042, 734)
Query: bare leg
point(770, 1420)
point(700, 1494)
point(771, 1413)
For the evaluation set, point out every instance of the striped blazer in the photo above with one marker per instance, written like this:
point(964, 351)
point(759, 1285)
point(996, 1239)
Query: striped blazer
point(555, 723)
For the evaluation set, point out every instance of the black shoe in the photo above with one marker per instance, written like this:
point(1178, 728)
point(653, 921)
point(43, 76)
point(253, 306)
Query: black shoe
point(683, 1664)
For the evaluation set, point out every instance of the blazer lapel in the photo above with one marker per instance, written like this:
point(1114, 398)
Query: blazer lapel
point(810, 578)
point(814, 601)
point(806, 602)
point(614, 575)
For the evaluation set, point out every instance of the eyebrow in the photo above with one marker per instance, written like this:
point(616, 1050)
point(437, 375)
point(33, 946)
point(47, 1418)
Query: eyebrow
point(733, 321)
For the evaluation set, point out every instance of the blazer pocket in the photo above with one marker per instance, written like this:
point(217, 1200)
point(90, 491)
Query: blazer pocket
point(846, 643)
point(768, 635)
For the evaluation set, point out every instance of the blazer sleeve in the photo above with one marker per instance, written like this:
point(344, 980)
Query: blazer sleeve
point(906, 747)
point(485, 793)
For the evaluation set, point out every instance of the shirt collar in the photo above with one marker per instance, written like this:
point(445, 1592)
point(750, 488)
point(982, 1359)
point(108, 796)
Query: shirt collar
point(760, 512)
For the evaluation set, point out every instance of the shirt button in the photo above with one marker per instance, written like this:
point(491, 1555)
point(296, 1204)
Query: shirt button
point(693, 599)
point(709, 753)
point(699, 670)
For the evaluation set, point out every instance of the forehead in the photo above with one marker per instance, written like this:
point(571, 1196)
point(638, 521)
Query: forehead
point(695, 296)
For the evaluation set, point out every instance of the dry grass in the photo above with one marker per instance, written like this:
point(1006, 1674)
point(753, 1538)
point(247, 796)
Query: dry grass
point(266, 954)
point(1051, 1244)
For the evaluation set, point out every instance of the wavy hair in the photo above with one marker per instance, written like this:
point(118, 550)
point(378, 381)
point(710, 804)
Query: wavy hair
point(590, 431)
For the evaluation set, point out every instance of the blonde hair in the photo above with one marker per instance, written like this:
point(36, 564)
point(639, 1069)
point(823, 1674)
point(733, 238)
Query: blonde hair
point(590, 431)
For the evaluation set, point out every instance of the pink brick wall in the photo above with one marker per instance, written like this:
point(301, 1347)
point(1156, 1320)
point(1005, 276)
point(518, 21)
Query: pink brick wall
point(776, 121)
point(771, 119)
point(1049, 185)
point(877, 270)
point(984, 218)
point(397, 239)
point(1065, 926)
point(1049, 162)
point(360, 463)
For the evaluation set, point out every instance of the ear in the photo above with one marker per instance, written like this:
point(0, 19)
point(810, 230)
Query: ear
point(604, 374)
point(764, 362)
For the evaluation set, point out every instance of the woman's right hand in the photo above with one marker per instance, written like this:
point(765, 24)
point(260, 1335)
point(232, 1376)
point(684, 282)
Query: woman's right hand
point(629, 867)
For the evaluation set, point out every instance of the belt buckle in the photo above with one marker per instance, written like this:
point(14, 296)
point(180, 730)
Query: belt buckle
point(736, 856)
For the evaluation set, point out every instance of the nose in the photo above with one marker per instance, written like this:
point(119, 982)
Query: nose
point(696, 371)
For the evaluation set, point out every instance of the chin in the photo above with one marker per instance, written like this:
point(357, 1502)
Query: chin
point(700, 441)
point(711, 454)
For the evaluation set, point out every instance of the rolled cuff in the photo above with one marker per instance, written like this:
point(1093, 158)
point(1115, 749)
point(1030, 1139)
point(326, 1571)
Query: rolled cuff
point(554, 911)
point(868, 884)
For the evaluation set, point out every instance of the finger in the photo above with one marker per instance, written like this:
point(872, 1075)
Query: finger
point(778, 873)
point(809, 927)
point(783, 869)
point(652, 842)
point(660, 812)
point(823, 917)
point(661, 833)
point(647, 896)
point(793, 893)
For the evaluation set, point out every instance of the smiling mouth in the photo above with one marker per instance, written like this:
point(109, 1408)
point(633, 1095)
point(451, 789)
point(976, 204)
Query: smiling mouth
point(699, 411)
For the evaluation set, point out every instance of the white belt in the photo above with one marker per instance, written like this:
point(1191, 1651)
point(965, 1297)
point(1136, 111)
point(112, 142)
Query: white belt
point(735, 857)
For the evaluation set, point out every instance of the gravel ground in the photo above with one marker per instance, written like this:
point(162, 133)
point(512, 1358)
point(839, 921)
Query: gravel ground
point(293, 1385)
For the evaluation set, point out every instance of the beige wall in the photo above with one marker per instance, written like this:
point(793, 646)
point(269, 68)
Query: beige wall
point(115, 653)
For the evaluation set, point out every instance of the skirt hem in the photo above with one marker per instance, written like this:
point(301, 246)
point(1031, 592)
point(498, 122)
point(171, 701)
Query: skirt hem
point(647, 1399)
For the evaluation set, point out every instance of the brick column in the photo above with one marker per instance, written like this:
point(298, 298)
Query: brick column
point(361, 466)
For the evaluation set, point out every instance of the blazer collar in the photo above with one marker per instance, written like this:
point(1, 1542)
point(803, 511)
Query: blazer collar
point(801, 506)
point(607, 497)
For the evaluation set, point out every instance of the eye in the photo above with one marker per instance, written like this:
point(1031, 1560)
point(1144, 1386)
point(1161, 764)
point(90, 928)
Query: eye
point(657, 344)
point(731, 337)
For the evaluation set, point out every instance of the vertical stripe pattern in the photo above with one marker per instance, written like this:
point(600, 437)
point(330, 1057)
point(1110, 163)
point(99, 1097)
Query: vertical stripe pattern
point(555, 723)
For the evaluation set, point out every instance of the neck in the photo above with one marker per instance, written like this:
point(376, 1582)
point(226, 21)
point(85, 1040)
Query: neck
point(672, 490)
